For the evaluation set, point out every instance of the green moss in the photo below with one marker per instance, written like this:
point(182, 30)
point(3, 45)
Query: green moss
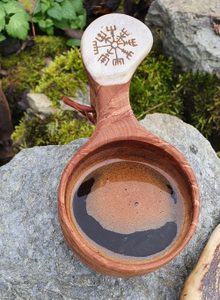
point(200, 94)
point(64, 76)
point(157, 86)
point(24, 68)
point(60, 128)
point(154, 87)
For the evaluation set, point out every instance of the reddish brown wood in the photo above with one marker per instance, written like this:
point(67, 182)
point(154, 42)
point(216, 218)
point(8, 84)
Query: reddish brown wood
point(118, 134)
point(85, 110)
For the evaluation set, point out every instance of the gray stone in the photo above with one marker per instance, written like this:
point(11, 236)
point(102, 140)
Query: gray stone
point(40, 104)
point(35, 262)
point(187, 33)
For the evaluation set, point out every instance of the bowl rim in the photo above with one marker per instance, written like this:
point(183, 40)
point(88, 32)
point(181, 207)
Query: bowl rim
point(91, 256)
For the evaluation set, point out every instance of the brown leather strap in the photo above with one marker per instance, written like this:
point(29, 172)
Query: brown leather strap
point(87, 111)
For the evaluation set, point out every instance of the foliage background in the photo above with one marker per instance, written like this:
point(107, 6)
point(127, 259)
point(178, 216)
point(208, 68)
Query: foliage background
point(50, 66)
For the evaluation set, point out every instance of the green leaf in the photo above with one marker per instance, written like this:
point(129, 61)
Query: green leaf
point(73, 42)
point(50, 30)
point(2, 37)
point(63, 24)
point(45, 5)
point(37, 8)
point(13, 7)
point(55, 12)
point(18, 26)
point(37, 18)
point(81, 21)
point(45, 23)
point(68, 10)
point(2, 17)
point(78, 6)
point(2, 7)
point(49, 23)
point(78, 22)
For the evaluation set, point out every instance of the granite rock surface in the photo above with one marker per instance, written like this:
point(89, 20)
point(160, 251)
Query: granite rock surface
point(186, 30)
point(40, 104)
point(35, 262)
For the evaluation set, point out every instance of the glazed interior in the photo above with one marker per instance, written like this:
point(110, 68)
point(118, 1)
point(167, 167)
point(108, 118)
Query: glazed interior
point(157, 160)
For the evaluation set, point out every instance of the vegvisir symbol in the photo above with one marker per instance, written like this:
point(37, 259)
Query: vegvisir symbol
point(113, 44)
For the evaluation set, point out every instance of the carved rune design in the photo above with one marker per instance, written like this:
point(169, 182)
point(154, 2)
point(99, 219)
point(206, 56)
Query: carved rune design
point(113, 45)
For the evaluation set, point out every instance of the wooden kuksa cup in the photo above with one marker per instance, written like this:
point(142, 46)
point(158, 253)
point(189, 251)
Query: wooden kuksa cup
point(112, 47)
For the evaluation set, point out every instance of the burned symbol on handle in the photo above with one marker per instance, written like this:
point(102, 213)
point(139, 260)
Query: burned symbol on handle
point(113, 45)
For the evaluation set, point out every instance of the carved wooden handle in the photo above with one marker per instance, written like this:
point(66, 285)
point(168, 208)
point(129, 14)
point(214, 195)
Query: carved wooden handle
point(112, 47)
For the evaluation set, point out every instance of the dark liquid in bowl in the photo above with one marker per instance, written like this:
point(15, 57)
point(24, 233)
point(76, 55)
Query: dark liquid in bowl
point(129, 208)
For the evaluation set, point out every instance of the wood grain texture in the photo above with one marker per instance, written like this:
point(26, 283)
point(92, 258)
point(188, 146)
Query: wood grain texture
point(119, 135)
point(204, 281)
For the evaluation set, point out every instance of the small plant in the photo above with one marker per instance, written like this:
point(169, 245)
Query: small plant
point(62, 14)
point(15, 17)
point(14, 20)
